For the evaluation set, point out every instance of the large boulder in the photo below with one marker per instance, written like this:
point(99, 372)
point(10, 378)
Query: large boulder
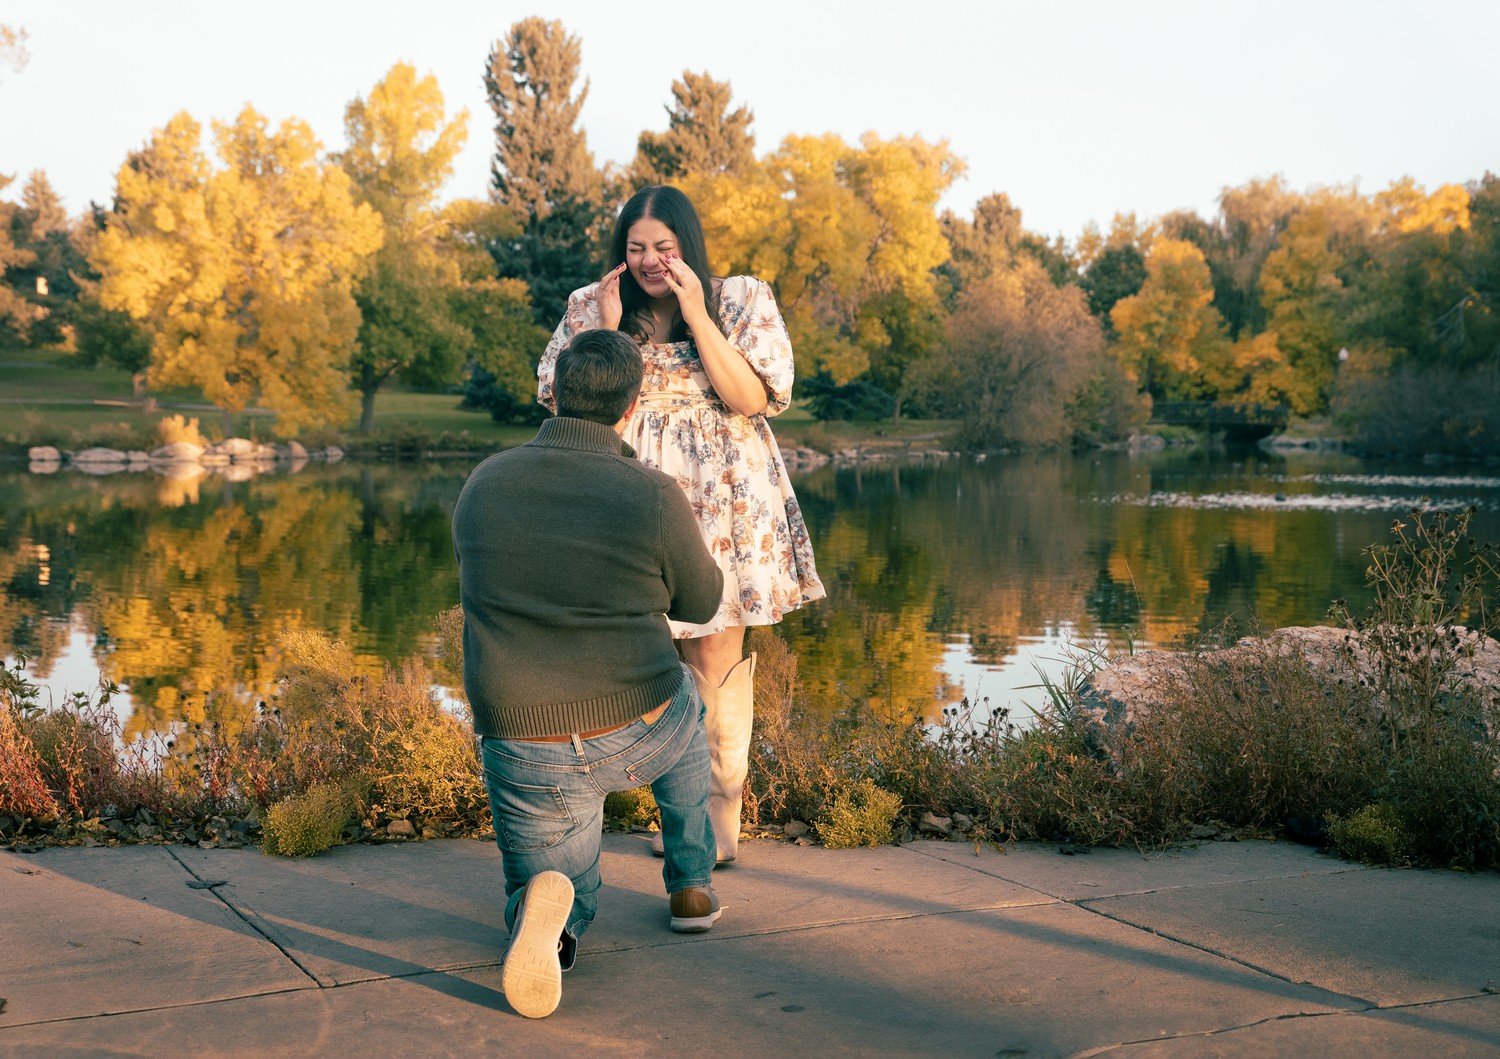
point(237, 449)
point(98, 456)
point(178, 452)
point(292, 450)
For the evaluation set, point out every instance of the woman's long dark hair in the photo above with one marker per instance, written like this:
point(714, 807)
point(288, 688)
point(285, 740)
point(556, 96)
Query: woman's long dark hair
point(675, 210)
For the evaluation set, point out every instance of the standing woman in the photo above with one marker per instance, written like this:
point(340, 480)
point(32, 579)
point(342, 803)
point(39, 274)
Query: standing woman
point(718, 362)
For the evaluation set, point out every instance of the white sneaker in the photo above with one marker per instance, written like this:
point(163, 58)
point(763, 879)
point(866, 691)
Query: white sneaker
point(532, 974)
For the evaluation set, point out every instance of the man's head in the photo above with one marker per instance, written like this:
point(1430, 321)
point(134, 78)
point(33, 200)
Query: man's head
point(598, 377)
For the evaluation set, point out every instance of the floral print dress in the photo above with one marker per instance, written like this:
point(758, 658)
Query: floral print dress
point(728, 464)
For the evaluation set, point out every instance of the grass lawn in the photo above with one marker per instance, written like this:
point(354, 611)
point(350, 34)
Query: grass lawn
point(44, 400)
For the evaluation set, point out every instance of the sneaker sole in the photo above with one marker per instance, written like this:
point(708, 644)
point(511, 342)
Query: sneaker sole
point(695, 924)
point(532, 975)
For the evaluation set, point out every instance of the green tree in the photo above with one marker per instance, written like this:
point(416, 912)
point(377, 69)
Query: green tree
point(17, 313)
point(1252, 218)
point(543, 170)
point(504, 339)
point(1118, 272)
point(400, 152)
point(243, 275)
point(704, 138)
point(50, 280)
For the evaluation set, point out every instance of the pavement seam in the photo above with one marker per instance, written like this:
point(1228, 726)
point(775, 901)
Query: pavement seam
point(247, 920)
point(1350, 870)
point(1082, 904)
point(156, 1007)
point(1349, 1013)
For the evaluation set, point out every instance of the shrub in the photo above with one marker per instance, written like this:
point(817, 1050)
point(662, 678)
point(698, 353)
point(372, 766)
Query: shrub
point(1421, 410)
point(633, 808)
point(23, 788)
point(174, 428)
point(864, 815)
point(306, 824)
point(1375, 834)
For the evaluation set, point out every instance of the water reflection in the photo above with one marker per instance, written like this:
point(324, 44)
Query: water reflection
point(944, 580)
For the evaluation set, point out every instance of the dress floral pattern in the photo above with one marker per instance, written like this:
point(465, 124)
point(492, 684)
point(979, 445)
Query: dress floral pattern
point(728, 464)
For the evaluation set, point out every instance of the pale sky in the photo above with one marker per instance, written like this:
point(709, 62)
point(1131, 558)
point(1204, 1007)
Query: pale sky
point(1076, 110)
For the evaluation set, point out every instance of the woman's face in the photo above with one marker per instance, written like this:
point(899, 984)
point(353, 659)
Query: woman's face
point(646, 245)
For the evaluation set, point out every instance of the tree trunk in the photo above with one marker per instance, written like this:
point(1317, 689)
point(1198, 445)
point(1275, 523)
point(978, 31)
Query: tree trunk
point(369, 386)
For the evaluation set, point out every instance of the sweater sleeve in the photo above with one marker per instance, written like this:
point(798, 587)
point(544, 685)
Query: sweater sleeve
point(695, 584)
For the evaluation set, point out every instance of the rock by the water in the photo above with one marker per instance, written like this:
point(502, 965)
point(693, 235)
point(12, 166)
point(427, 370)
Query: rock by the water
point(291, 450)
point(214, 459)
point(43, 454)
point(177, 452)
point(237, 449)
point(137, 457)
point(99, 455)
point(333, 454)
point(932, 824)
point(1130, 688)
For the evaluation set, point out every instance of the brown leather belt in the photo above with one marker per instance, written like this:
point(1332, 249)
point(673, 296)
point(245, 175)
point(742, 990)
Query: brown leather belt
point(649, 718)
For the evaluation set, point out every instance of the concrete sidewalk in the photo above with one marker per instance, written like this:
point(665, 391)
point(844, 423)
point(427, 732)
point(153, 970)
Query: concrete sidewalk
point(1227, 949)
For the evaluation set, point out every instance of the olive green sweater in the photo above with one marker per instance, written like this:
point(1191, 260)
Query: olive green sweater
point(571, 557)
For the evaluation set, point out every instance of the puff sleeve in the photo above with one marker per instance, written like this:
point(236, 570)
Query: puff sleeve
point(582, 314)
point(753, 325)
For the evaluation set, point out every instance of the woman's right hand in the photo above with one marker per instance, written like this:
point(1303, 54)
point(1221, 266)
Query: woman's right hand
point(608, 298)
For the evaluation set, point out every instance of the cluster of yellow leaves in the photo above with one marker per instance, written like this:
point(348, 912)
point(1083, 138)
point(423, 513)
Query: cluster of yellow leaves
point(242, 273)
point(836, 227)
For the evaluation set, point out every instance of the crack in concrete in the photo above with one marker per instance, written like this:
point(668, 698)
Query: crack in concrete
point(245, 919)
point(1104, 1049)
point(1083, 904)
point(1349, 870)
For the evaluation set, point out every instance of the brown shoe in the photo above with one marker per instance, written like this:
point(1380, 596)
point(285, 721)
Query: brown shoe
point(694, 909)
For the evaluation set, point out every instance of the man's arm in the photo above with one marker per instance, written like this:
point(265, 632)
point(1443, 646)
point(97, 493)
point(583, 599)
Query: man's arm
point(694, 581)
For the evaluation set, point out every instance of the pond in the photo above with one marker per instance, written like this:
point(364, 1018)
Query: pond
point(946, 579)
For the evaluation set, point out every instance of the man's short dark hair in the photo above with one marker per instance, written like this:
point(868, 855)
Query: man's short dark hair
point(598, 375)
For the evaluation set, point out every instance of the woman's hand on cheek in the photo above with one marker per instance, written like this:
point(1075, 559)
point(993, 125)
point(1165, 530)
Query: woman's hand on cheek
point(608, 298)
point(688, 288)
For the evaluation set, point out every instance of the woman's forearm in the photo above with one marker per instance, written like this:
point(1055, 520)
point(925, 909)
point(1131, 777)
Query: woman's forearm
point(728, 372)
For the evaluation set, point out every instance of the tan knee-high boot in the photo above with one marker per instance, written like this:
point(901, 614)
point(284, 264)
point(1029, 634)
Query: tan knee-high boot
point(729, 717)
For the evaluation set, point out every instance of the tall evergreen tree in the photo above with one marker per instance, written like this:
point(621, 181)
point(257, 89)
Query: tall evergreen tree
point(16, 311)
point(543, 170)
point(704, 137)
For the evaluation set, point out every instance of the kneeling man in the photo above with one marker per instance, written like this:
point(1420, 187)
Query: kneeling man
point(572, 556)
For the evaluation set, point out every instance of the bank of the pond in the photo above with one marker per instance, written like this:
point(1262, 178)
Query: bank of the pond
point(1266, 738)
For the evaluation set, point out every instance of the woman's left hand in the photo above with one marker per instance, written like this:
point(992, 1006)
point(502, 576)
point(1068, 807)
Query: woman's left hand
point(689, 290)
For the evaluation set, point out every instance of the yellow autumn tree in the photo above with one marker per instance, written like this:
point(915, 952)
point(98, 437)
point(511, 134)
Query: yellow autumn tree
point(848, 234)
point(1169, 330)
point(242, 273)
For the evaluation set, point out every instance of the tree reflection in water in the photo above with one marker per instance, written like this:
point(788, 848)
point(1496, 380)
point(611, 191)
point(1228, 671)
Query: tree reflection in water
point(182, 585)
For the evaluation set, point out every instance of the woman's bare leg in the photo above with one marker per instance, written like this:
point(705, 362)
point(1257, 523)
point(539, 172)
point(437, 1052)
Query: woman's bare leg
point(715, 655)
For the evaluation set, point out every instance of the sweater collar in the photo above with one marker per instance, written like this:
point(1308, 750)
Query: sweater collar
point(565, 432)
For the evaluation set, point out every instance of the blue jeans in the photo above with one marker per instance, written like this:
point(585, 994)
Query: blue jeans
point(547, 801)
